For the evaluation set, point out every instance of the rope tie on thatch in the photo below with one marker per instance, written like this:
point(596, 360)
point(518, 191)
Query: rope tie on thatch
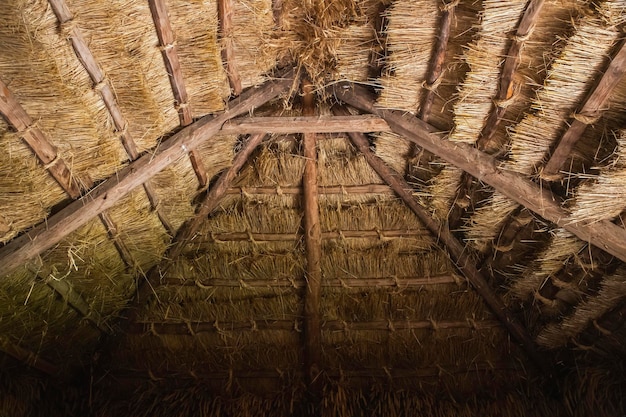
point(253, 325)
point(200, 285)
point(214, 239)
point(343, 284)
point(432, 86)
point(341, 235)
point(506, 102)
point(181, 106)
point(296, 326)
point(388, 373)
point(152, 376)
point(504, 248)
point(601, 329)
point(293, 282)
point(67, 28)
point(346, 326)
point(217, 327)
point(250, 236)
point(153, 331)
point(548, 302)
point(190, 328)
point(472, 323)
point(521, 38)
point(167, 47)
point(100, 85)
point(589, 118)
point(563, 285)
point(581, 346)
point(390, 326)
point(449, 6)
point(52, 163)
point(243, 284)
point(279, 191)
point(433, 324)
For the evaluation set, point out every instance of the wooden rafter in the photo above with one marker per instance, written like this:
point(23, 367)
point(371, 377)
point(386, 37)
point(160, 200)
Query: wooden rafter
point(225, 16)
point(107, 194)
point(332, 234)
point(102, 85)
point(468, 188)
point(28, 358)
point(38, 142)
point(603, 234)
point(43, 148)
point(192, 328)
point(305, 124)
point(461, 258)
point(169, 50)
point(589, 113)
point(361, 282)
point(313, 245)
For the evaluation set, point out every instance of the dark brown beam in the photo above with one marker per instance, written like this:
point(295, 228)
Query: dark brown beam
point(28, 358)
point(224, 12)
point(322, 190)
point(107, 194)
point(591, 110)
point(604, 234)
point(377, 282)
point(38, 142)
point(458, 253)
point(194, 327)
point(305, 124)
point(333, 234)
point(313, 247)
point(169, 50)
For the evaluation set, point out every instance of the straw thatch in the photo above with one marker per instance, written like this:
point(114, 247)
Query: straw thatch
point(151, 264)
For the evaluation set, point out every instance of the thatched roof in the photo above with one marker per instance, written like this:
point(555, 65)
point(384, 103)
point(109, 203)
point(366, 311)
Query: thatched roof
point(349, 207)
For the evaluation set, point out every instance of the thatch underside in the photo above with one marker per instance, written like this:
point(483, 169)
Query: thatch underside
point(155, 265)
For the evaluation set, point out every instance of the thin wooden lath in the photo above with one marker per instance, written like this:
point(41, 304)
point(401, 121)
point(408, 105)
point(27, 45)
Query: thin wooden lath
point(225, 11)
point(29, 358)
point(169, 50)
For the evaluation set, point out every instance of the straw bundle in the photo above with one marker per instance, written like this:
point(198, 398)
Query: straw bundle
point(486, 221)
point(124, 43)
point(27, 201)
point(195, 25)
point(318, 36)
point(339, 164)
point(64, 107)
point(613, 290)
point(410, 34)
point(272, 166)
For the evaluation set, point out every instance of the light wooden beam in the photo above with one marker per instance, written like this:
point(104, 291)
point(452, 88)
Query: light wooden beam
point(107, 194)
point(101, 84)
point(363, 282)
point(461, 258)
point(305, 124)
point(589, 113)
point(38, 142)
point(322, 190)
point(169, 50)
point(603, 234)
point(332, 234)
point(225, 12)
point(313, 246)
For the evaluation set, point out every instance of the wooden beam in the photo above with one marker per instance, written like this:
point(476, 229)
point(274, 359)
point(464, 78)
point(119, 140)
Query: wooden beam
point(305, 124)
point(38, 142)
point(28, 358)
point(107, 194)
point(603, 234)
point(322, 190)
point(589, 113)
point(364, 282)
point(332, 234)
point(468, 191)
point(458, 253)
point(224, 12)
point(169, 50)
point(313, 247)
point(194, 327)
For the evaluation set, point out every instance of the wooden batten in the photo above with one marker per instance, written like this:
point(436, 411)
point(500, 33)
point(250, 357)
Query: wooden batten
point(364, 282)
point(225, 11)
point(29, 358)
point(333, 234)
point(313, 245)
point(603, 234)
point(322, 190)
point(305, 124)
point(461, 258)
point(39, 143)
point(588, 114)
point(67, 220)
point(468, 189)
point(169, 50)
point(193, 328)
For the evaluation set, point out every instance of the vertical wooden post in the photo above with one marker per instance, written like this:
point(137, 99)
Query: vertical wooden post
point(225, 11)
point(313, 245)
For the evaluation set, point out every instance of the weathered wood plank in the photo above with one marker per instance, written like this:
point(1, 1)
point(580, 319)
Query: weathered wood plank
point(603, 234)
point(305, 124)
point(461, 258)
point(78, 213)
